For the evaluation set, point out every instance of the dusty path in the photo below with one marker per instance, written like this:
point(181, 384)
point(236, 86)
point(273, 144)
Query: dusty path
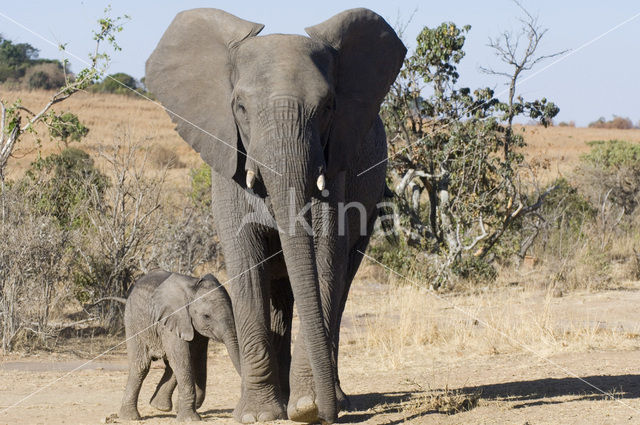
point(513, 389)
point(511, 385)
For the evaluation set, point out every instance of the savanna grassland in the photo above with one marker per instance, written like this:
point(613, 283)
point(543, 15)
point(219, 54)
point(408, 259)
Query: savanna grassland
point(554, 340)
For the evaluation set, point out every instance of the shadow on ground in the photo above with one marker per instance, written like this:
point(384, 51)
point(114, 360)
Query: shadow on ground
point(523, 394)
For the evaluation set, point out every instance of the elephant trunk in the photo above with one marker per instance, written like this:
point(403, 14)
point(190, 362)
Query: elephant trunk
point(291, 199)
point(230, 340)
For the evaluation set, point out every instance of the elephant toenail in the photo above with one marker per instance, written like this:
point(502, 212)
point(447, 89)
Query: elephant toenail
point(248, 418)
point(304, 402)
point(266, 416)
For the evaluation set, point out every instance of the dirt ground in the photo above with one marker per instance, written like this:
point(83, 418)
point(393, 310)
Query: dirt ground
point(509, 369)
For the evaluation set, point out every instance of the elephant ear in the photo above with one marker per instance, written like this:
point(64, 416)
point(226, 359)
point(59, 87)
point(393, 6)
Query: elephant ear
point(370, 55)
point(170, 304)
point(189, 72)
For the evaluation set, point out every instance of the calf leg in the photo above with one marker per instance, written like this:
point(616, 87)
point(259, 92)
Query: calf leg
point(199, 361)
point(161, 398)
point(138, 369)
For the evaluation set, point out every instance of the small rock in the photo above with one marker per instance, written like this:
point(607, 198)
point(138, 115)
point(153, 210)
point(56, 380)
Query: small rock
point(111, 419)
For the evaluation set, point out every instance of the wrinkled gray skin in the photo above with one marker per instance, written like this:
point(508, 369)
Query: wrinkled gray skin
point(180, 338)
point(287, 108)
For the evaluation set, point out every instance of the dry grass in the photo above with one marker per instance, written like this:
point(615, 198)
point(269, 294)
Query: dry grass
point(106, 115)
point(445, 401)
point(405, 324)
point(556, 151)
point(428, 401)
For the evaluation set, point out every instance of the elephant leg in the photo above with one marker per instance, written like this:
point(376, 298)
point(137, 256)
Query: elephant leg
point(179, 357)
point(139, 364)
point(199, 362)
point(247, 257)
point(355, 258)
point(281, 317)
point(161, 398)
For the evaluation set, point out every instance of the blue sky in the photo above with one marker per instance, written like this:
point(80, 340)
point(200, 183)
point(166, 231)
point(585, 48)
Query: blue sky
point(601, 79)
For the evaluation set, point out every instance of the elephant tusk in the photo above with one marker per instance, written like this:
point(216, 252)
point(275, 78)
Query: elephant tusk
point(321, 182)
point(251, 177)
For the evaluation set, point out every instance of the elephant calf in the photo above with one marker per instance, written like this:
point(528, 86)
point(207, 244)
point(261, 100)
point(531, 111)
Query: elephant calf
point(171, 317)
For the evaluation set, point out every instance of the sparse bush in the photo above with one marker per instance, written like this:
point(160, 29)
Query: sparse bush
point(587, 232)
point(619, 123)
point(474, 269)
point(567, 124)
point(163, 157)
point(35, 258)
point(610, 172)
point(122, 228)
point(200, 194)
point(613, 154)
point(184, 243)
point(119, 83)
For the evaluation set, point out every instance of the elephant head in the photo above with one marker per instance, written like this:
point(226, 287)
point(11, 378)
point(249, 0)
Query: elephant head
point(184, 304)
point(285, 113)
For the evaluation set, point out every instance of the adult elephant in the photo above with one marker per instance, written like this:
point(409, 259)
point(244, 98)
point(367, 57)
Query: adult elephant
point(287, 123)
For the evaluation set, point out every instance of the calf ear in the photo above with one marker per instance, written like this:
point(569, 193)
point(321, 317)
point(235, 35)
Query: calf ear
point(190, 74)
point(170, 302)
point(370, 55)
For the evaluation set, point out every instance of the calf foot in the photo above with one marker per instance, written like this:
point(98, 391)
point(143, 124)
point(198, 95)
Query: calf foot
point(188, 416)
point(250, 410)
point(129, 413)
point(162, 402)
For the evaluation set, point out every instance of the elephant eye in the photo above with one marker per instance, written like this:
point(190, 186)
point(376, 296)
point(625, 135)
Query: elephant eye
point(241, 110)
point(207, 316)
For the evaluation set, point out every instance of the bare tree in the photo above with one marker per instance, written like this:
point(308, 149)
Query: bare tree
point(520, 52)
point(124, 224)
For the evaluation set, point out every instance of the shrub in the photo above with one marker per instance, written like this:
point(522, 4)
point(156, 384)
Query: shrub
point(200, 193)
point(616, 123)
point(610, 173)
point(44, 76)
point(124, 223)
point(35, 256)
point(186, 242)
point(59, 186)
point(66, 127)
point(163, 157)
point(454, 157)
point(118, 83)
point(613, 154)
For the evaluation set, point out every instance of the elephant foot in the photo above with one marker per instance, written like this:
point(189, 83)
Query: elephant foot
point(249, 411)
point(188, 417)
point(302, 405)
point(129, 413)
point(303, 409)
point(162, 402)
